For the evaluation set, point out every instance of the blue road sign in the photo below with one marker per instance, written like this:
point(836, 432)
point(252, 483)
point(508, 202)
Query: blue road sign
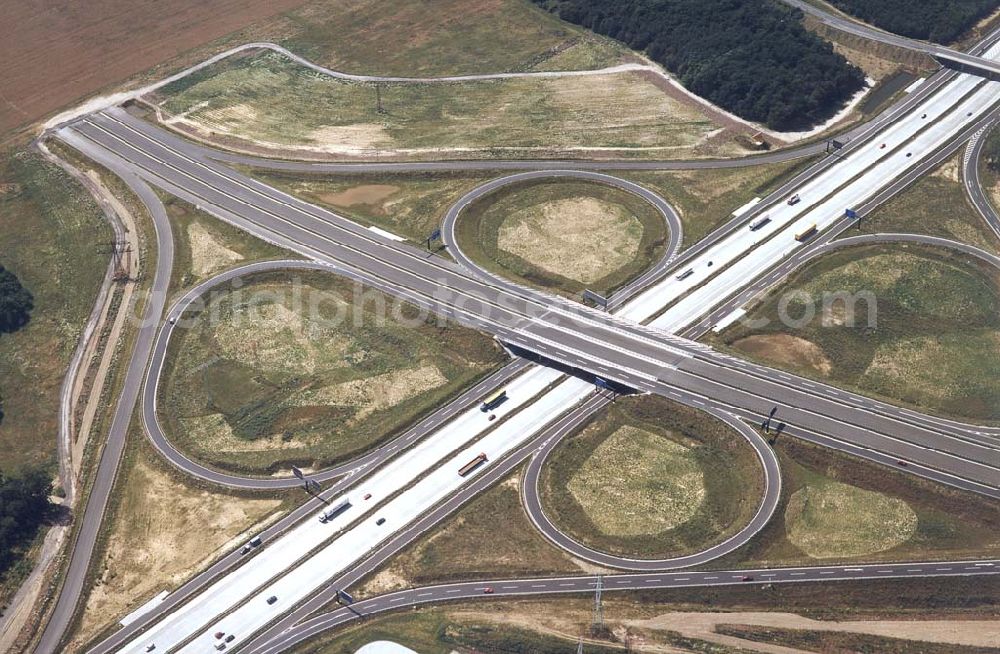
point(436, 234)
point(601, 383)
point(851, 213)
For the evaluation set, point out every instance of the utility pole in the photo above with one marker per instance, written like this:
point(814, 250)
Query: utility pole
point(121, 254)
point(597, 622)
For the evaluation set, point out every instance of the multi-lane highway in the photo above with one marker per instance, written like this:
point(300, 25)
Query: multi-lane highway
point(514, 588)
point(111, 130)
point(602, 344)
point(647, 359)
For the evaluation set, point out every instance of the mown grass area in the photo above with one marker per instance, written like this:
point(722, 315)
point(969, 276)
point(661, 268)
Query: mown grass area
point(162, 527)
point(729, 473)
point(205, 246)
point(308, 369)
point(491, 536)
point(408, 205)
point(707, 198)
point(446, 37)
point(55, 239)
point(267, 101)
point(936, 205)
point(925, 336)
point(563, 235)
point(839, 508)
point(832, 642)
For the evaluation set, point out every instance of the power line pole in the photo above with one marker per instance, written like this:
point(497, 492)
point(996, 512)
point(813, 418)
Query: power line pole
point(597, 623)
point(378, 99)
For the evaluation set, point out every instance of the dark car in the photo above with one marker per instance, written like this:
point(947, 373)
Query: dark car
point(380, 521)
point(230, 638)
point(272, 599)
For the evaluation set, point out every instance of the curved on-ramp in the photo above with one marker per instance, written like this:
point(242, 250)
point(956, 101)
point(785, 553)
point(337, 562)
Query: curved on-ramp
point(675, 229)
point(771, 473)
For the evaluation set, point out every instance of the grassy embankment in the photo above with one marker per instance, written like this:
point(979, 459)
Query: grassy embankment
point(267, 102)
point(162, 528)
point(204, 246)
point(308, 371)
point(659, 619)
point(838, 508)
point(929, 340)
point(937, 205)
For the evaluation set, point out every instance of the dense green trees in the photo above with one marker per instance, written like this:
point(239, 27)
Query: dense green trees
point(942, 21)
point(24, 507)
point(751, 57)
point(15, 302)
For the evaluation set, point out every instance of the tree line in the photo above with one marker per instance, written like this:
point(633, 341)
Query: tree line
point(751, 57)
point(16, 302)
point(941, 21)
point(24, 508)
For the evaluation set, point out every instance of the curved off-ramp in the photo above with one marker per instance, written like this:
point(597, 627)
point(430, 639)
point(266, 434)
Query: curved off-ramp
point(771, 474)
point(176, 320)
point(675, 229)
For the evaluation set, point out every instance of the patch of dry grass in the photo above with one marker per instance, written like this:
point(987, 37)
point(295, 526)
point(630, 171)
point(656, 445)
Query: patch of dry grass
point(639, 483)
point(827, 519)
point(162, 532)
point(582, 238)
point(307, 370)
point(267, 102)
point(208, 253)
point(563, 235)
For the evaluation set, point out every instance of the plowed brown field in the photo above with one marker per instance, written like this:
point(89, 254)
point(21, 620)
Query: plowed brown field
point(53, 52)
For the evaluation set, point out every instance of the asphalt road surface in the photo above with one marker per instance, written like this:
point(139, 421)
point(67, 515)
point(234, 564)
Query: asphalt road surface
point(968, 62)
point(88, 526)
point(515, 588)
point(382, 262)
point(973, 180)
point(95, 507)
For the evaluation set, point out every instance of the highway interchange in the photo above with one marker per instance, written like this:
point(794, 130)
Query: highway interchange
point(648, 359)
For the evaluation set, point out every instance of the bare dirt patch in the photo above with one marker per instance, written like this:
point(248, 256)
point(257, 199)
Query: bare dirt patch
point(208, 254)
point(638, 483)
point(350, 138)
point(584, 239)
point(786, 350)
point(153, 546)
point(828, 519)
point(981, 633)
point(370, 194)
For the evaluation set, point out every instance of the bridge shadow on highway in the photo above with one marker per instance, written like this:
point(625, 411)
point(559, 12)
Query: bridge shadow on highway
point(600, 384)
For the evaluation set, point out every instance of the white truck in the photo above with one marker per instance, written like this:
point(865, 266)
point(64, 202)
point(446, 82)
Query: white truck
point(334, 510)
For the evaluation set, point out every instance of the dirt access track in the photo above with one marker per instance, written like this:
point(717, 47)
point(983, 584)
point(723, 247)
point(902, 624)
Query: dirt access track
point(56, 53)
